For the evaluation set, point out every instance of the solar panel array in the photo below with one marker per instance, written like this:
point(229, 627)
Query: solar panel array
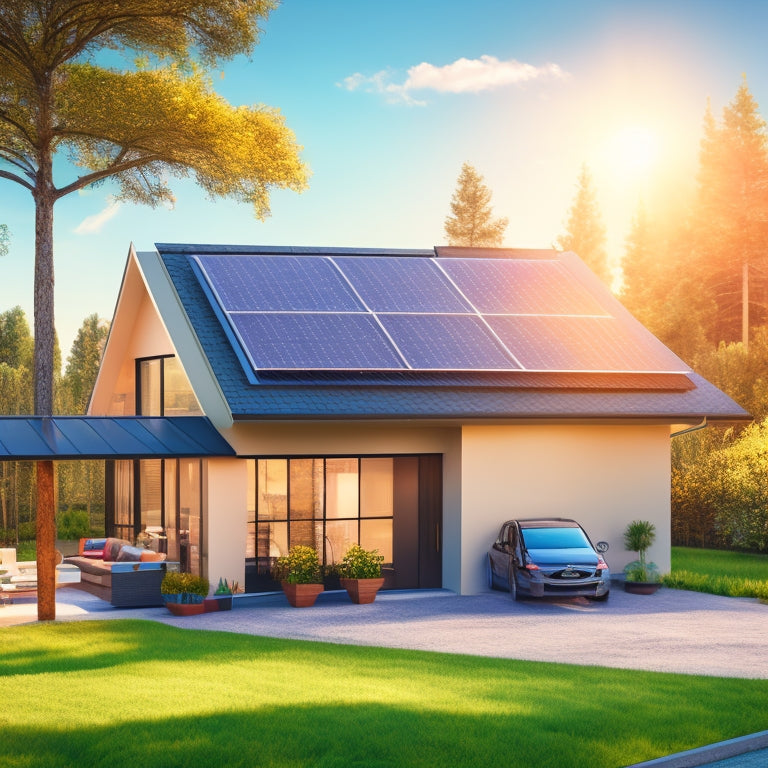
point(390, 313)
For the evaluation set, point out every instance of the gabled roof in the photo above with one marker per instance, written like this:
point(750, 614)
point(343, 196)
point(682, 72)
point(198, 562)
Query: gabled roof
point(561, 378)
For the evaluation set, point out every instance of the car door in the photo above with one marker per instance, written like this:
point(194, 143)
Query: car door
point(501, 552)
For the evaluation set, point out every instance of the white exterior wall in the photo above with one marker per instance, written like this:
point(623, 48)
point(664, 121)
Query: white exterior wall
point(602, 476)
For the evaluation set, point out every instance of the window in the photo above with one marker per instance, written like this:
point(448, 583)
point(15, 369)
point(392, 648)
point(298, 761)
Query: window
point(162, 388)
point(328, 504)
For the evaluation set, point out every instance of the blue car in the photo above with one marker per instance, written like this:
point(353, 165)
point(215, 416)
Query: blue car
point(547, 557)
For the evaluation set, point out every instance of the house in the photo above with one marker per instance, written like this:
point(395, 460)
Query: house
point(410, 401)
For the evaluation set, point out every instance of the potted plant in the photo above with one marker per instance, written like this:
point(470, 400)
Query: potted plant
point(184, 593)
point(641, 577)
point(360, 572)
point(300, 575)
point(221, 600)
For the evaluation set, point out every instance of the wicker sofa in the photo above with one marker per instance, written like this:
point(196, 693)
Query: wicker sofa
point(130, 576)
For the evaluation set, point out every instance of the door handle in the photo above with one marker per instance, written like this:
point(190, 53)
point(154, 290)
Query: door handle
point(437, 537)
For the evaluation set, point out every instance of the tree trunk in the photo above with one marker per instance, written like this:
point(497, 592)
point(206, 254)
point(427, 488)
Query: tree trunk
point(44, 346)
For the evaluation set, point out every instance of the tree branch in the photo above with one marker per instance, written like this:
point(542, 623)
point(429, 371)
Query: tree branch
point(13, 177)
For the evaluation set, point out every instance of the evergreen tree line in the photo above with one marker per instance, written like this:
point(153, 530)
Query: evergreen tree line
point(80, 484)
point(700, 284)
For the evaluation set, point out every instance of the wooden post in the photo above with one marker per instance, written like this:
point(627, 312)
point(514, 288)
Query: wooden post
point(46, 542)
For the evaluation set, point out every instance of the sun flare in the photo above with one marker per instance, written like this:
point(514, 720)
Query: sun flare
point(634, 150)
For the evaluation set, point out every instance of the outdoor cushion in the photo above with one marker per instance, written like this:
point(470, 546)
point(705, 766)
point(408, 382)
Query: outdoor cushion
point(148, 556)
point(130, 554)
point(112, 549)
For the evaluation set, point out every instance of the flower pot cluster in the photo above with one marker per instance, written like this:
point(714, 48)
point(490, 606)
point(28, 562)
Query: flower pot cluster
point(300, 575)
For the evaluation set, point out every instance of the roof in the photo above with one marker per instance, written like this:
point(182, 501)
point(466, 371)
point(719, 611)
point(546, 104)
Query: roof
point(101, 437)
point(661, 387)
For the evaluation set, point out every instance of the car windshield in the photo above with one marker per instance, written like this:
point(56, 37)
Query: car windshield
point(554, 538)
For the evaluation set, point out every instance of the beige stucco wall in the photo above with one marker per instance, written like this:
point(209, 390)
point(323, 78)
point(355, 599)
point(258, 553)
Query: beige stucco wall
point(226, 501)
point(602, 476)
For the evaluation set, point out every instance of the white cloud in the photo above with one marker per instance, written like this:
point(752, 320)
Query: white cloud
point(92, 224)
point(462, 76)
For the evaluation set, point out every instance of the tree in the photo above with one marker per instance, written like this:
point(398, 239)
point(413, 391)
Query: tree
point(16, 343)
point(136, 127)
point(731, 222)
point(585, 231)
point(83, 362)
point(471, 223)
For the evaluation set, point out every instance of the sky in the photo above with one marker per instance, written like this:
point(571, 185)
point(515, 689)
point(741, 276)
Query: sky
point(389, 99)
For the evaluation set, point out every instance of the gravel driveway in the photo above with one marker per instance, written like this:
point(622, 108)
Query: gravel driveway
point(671, 631)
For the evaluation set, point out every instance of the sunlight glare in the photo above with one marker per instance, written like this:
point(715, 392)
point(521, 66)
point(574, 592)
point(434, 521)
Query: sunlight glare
point(634, 150)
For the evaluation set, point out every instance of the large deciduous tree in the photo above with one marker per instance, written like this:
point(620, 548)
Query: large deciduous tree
point(585, 231)
point(471, 223)
point(136, 125)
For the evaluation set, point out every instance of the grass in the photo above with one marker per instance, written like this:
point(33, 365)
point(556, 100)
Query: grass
point(124, 693)
point(719, 572)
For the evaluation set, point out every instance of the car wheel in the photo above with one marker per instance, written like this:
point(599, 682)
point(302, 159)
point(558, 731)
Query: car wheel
point(512, 583)
point(489, 573)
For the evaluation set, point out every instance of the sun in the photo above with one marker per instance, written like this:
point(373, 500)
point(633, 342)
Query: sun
point(633, 150)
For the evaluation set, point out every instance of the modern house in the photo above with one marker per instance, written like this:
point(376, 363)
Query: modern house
point(410, 401)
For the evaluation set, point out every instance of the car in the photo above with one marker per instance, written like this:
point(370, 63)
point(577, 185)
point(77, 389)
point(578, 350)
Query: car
point(547, 557)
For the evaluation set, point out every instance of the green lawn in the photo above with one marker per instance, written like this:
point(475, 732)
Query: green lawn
point(734, 574)
point(127, 693)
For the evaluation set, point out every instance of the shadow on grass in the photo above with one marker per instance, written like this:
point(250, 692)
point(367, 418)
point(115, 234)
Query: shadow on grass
point(138, 693)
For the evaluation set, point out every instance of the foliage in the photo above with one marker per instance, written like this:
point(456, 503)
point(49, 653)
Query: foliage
point(359, 563)
point(300, 566)
point(184, 587)
point(717, 572)
point(452, 702)
point(585, 231)
point(72, 524)
point(639, 535)
point(725, 484)
point(470, 223)
point(225, 587)
point(5, 239)
point(83, 362)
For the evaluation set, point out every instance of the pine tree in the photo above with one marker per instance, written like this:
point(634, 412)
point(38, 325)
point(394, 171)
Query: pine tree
point(471, 223)
point(585, 231)
point(731, 218)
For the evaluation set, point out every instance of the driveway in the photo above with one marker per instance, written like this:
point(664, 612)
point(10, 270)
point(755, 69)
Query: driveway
point(671, 631)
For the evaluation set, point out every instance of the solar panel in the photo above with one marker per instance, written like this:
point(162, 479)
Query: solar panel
point(447, 342)
point(337, 312)
point(512, 287)
point(277, 283)
point(291, 341)
point(402, 285)
point(579, 344)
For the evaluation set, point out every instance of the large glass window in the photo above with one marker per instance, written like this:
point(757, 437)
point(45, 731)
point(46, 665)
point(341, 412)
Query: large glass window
point(162, 388)
point(328, 504)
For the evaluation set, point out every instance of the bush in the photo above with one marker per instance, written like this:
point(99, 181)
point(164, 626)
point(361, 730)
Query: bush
point(359, 563)
point(72, 524)
point(184, 587)
point(27, 531)
point(300, 566)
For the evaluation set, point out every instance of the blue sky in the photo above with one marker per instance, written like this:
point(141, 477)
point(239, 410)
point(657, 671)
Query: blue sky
point(388, 100)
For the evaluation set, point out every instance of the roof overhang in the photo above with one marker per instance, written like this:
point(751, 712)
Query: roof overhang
point(60, 438)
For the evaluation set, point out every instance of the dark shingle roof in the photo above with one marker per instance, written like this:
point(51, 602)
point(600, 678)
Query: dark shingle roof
point(431, 395)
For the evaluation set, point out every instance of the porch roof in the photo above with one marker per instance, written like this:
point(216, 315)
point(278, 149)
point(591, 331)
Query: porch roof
point(109, 437)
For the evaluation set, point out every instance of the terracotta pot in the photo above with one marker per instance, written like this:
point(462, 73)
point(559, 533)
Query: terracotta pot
point(641, 587)
point(186, 609)
point(301, 595)
point(362, 591)
point(218, 603)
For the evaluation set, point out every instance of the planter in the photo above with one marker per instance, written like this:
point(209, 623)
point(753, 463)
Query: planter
point(301, 595)
point(362, 591)
point(641, 587)
point(218, 603)
point(186, 609)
